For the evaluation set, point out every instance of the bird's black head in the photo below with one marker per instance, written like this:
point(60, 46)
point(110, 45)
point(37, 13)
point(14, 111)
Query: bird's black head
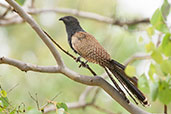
point(72, 25)
point(69, 20)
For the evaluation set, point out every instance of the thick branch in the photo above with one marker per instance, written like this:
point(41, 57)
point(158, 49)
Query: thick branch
point(39, 31)
point(95, 81)
point(29, 67)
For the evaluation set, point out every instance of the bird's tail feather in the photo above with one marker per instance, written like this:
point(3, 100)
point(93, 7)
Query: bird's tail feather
point(117, 69)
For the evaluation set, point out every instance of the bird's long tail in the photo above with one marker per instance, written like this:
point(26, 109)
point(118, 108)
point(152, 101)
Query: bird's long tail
point(117, 70)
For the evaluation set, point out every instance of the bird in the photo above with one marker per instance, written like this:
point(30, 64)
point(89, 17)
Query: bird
point(87, 47)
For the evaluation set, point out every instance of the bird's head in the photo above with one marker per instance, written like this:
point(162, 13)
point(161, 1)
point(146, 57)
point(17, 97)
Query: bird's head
point(69, 20)
point(72, 24)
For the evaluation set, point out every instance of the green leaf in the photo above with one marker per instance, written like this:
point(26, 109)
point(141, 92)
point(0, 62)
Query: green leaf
point(4, 101)
point(166, 66)
point(165, 91)
point(165, 47)
point(3, 93)
point(143, 84)
point(21, 2)
point(154, 90)
point(165, 9)
point(62, 105)
point(158, 22)
point(130, 70)
point(150, 47)
point(151, 71)
point(156, 55)
point(150, 31)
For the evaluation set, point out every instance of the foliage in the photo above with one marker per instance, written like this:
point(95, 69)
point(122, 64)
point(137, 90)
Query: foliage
point(7, 107)
point(159, 72)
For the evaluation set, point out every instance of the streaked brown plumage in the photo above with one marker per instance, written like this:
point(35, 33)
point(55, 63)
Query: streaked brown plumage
point(89, 48)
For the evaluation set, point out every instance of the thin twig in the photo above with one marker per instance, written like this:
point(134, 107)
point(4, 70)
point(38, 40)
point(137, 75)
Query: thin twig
point(5, 13)
point(12, 88)
point(32, 3)
point(4, 5)
point(35, 99)
point(136, 57)
point(42, 107)
point(95, 96)
point(165, 109)
point(103, 109)
point(159, 40)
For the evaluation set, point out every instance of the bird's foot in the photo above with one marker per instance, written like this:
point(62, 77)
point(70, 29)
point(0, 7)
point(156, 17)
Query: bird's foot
point(83, 64)
point(78, 59)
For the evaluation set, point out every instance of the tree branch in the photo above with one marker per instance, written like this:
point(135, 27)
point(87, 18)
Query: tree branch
point(82, 14)
point(29, 67)
point(137, 56)
point(39, 31)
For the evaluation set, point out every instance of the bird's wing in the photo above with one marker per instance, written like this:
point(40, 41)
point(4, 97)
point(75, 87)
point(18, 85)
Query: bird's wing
point(89, 48)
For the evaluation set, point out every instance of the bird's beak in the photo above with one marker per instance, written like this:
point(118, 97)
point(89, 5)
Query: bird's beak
point(61, 19)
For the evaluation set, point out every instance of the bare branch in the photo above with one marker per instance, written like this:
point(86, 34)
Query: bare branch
point(29, 67)
point(137, 56)
point(39, 31)
point(103, 109)
point(133, 22)
point(87, 15)
point(13, 20)
point(35, 99)
point(85, 93)
point(82, 14)
point(12, 88)
point(159, 40)
point(32, 3)
point(4, 5)
point(5, 13)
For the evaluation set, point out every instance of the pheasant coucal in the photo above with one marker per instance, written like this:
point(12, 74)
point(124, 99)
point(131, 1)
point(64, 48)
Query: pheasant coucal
point(90, 49)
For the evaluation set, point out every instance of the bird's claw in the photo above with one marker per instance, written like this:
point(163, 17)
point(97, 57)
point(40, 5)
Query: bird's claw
point(83, 64)
point(78, 59)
